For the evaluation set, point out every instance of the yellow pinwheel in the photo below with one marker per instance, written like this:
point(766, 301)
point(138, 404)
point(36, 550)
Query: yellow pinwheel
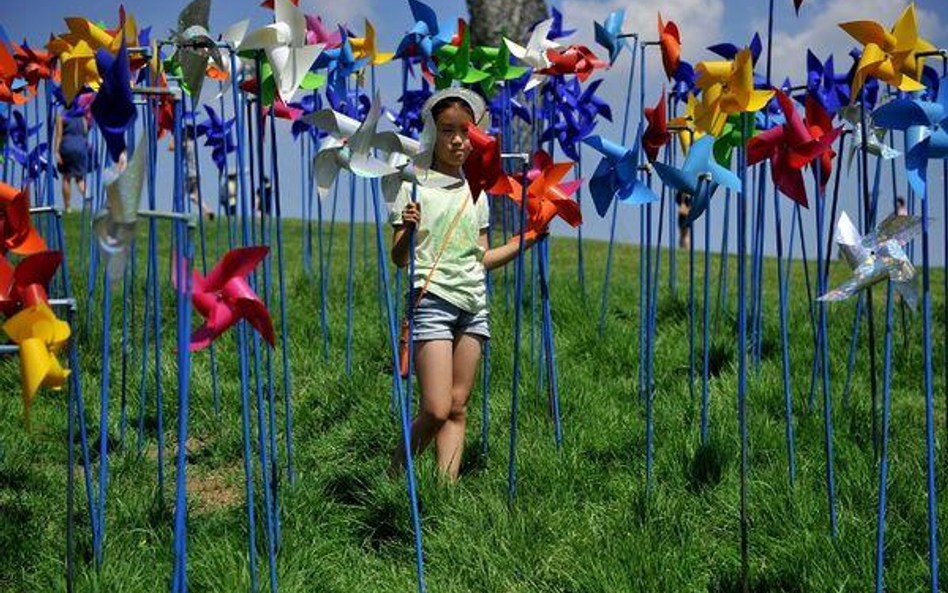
point(890, 56)
point(364, 47)
point(728, 87)
point(76, 50)
point(40, 335)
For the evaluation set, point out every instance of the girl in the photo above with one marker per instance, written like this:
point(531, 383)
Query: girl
point(451, 319)
point(72, 152)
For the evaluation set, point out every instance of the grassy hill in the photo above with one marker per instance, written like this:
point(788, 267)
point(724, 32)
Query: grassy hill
point(583, 520)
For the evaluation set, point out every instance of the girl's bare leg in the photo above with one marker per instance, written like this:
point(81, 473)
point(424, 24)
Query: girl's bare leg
point(449, 442)
point(67, 192)
point(433, 367)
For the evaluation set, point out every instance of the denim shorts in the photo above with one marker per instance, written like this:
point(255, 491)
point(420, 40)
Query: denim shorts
point(437, 319)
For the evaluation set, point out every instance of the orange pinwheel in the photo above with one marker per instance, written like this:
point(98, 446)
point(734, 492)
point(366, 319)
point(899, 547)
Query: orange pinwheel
point(8, 74)
point(34, 65)
point(728, 87)
point(40, 336)
point(26, 285)
point(547, 196)
point(17, 233)
point(669, 40)
point(890, 56)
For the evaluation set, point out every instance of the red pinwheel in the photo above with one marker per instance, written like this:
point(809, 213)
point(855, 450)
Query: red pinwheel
point(224, 297)
point(16, 229)
point(482, 168)
point(790, 147)
point(656, 134)
point(820, 123)
point(547, 197)
point(575, 59)
point(34, 65)
point(26, 285)
point(669, 40)
point(9, 71)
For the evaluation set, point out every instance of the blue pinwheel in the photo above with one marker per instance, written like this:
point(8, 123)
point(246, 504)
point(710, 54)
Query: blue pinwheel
point(340, 62)
point(556, 29)
point(617, 176)
point(505, 105)
point(586, 100)
point(574, 112)
point(925, 124)
point(688, 180)
point(35, 162)
point(354, 103)
point(728, 51)
point(309, 104)
point(424, 38)
point(17, 132)
point(218, 136)
point(113, 108)
point(409, 120)
point(683, 83)
point(831, 90)
point(607, 34)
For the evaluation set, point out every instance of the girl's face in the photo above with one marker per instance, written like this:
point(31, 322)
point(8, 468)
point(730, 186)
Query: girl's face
point(452, 145)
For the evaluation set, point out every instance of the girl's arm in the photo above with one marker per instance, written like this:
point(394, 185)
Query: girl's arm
point(500, 255)
point(401, 240)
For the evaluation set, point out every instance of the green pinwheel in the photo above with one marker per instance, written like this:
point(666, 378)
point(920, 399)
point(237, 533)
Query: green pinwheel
point(454, 61)
point(495, 61)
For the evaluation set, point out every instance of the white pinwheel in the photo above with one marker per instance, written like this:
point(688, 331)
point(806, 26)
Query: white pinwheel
point(534, 54)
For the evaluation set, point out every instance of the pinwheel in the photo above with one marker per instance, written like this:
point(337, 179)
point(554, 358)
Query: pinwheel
point(18, 133)
point(534, 54)
point(308, 105)
point(617, 176)
point(656, 133)
point(10, 91)
point(27, 284)
point(233, 36)
point(409, 118)
point(687, 131)
point(790, 148)
point(35, 163)
point(354, 103)
point(830, 89)
point(874, 140)
point(341, 63)
point(608, 34)
point(569, 129)
point(424, 38)
point(729, 51)
point(194, 47)
point(218, 136)
point(454, 61)
point(925, 124)
point(224, 297)
point(729, 139)
point(115, 225)
point(575, 59)
point(76, 50)
point(556, 29)
point(349, 149)
point(483, 169)
point(687, 180)
point(40, 336)
point(504, 106)
point(684, 82)
point(317, 32)
point(669, 40)
point(585, 101)
point(548, 197)
point(890, 56)
point(729, 85)
point(17, 233)
point(34, 65)
point(365, 48)
point(113, 108)
point(280, 109)
point(495, 61)
point(878, 256)
point(284, 43)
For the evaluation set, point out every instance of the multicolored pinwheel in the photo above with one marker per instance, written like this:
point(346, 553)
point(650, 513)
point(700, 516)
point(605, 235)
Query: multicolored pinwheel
point(617, 176)
point(878, 256)
point(224, 297)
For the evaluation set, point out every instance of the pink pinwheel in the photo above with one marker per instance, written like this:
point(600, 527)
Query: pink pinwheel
point(26, 285)
point(575, 59)
point(318, 32)
point(791, 147)
point(224, 297)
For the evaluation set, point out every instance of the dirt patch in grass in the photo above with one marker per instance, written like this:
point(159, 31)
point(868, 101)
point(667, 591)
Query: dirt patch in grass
point(215, 490)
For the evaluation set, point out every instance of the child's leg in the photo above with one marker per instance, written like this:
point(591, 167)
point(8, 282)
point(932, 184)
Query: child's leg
point(67, 191)
point(449, 442)
point(433, 367)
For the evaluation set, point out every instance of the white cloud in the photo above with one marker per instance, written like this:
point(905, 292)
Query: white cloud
point(820, 31)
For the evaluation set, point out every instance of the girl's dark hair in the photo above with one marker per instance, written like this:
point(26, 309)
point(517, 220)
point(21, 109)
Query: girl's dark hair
point(443, 104)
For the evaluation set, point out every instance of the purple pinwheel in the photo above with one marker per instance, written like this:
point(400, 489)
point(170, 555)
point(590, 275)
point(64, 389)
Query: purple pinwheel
point(505, 105)
point(218, 136)
point(575, 113)
point(831, 90)
point(409, 119)
point(17, 132)
point(113, 108)
point(34, 163)
point(424, 38)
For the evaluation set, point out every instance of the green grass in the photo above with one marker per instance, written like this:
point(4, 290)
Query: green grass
point(582, 521)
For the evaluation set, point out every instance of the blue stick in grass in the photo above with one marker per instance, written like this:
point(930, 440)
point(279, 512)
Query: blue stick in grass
point(604, 301)
point(350, 274)
point(518, 320)
point(884, 454)
point(705, 310)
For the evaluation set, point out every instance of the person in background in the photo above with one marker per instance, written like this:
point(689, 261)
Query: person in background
point(684, 230)
point(227, 194)
point(71, 147)
point(900, 207)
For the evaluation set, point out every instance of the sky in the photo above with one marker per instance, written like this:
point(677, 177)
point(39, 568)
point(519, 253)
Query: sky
point(702, 23)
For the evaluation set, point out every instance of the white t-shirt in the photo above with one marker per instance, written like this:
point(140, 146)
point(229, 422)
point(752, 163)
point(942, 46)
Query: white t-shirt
point(459, 277)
